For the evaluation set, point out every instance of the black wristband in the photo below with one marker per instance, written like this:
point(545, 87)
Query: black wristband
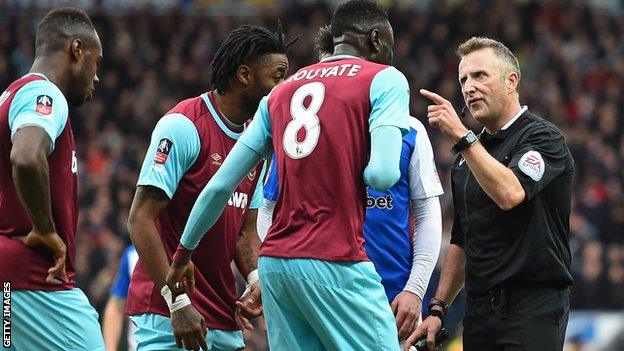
point(440, 303)
point(437, 313)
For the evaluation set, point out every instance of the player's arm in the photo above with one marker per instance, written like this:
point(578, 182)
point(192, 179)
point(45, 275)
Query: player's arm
point(388, 121)
point(425, 188)
point(173, 149)
point(114, 316)
point(148, 204)
point(426, 214)
point(427, 217)
point(248, 243)
point(37, 117)
point(31, 175)
point(113, 322)
point(246, 259)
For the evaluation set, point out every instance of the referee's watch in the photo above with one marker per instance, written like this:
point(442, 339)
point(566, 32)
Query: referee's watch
point(465, 142)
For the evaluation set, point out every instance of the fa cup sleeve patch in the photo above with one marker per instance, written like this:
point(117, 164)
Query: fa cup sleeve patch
point(44, 105)
point(162, 153)
point(532, 164)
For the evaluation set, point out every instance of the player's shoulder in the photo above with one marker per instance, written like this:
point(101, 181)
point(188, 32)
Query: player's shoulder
point(42, 91)
point(416, 125)
point(389, 77)
point(191, 108)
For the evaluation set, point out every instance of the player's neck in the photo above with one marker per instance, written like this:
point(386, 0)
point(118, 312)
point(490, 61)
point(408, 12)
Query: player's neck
point(50, 68)
point(231, 108)
point(347, 49)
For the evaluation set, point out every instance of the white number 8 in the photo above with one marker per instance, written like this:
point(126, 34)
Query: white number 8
point(306, 118)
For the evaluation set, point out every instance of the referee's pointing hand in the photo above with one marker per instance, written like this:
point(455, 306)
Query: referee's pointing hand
point(442, 115)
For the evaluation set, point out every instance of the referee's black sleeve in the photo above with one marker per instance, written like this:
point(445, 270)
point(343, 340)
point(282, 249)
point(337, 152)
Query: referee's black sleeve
point(540, 157)
point(457, 234)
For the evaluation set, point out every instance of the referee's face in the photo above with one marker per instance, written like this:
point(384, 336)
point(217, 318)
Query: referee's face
point(483, 86)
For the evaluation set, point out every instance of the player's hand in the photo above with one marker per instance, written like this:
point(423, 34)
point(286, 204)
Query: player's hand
point(406, 308)
point(442, 115)
point(189, 328)
point(175, 282)
point(248, 306)
point(429, 328)
point(54, 243)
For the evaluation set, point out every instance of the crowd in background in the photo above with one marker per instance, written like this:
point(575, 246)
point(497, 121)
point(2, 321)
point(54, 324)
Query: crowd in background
point(572, 62)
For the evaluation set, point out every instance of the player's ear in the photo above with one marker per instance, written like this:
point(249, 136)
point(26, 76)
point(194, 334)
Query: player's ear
point(76, 49)
point(375, 40)
point(244, 75)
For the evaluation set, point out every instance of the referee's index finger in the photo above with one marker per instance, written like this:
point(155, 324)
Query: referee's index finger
point(437, 99)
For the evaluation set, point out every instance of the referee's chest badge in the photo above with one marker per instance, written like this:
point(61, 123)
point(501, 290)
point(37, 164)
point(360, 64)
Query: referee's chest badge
point(532, 164)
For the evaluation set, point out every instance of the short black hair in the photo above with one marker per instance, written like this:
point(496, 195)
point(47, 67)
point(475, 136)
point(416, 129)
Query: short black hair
point(324, 41)
point(243, 46)
point(60, 25)
point(357, 15)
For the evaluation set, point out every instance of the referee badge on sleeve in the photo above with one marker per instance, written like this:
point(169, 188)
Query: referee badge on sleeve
point(532, 164)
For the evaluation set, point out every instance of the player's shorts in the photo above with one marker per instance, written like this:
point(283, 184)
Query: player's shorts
point(53, 321)
point(321, 305)
point(154, 333)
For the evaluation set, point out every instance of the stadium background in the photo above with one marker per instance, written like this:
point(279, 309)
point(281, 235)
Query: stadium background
point(157, 52)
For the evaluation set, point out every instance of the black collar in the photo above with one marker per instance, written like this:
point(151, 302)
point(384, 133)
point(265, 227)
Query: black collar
point(502, 134)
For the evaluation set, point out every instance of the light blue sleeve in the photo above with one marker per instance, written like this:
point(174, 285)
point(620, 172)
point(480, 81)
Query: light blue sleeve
point(383, 169)
point(173, 149)
point(39, 103)
point(258, 135)
point(256, 200)
point(214, 197)
point(389, 97)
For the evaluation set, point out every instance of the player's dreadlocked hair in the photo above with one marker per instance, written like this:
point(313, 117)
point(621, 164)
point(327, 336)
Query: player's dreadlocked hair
point(357, 16)
point(324, 41)
point(60, 25)
point(243, 46)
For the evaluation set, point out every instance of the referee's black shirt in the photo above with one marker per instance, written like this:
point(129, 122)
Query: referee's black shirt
point(529, 244)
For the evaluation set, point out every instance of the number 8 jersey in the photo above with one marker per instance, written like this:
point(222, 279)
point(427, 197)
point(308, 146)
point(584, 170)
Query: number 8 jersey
point(320, 121)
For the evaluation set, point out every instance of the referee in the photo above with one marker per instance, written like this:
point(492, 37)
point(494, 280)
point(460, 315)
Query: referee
point(512, 196)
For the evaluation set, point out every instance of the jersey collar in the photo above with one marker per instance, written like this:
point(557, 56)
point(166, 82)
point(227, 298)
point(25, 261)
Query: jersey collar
point(37, 74)
point(514, 118)
point(507, 128)
point(340, 57)
point(230, 129)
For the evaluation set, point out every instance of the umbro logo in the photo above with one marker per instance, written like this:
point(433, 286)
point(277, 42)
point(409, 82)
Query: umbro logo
point(216, 159)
